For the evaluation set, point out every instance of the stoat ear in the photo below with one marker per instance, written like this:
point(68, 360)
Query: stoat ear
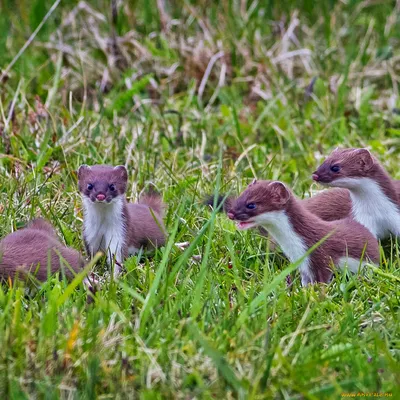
point(365, 159)
point(82, 170)
point(279, 192)
point(253, 183)
point(122, 172)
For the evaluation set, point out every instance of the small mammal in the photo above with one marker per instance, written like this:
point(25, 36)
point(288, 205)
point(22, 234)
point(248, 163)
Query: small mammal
point(113, 225)
point(374, 194)
point(273, 206)
point(329, 205)
point(28, 250)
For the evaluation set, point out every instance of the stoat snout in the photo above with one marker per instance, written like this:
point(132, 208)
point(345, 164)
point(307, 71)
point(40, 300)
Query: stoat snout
point(100, 197)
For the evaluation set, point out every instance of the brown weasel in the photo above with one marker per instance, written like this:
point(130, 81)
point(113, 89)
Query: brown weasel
point(374, 194)
point(30, 249)
point(273, 206)
point(113, 225)
point(329, 205)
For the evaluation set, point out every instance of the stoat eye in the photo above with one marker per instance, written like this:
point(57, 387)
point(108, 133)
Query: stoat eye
point(90, 186)
point(251, 206)
point(335, 168)
point(112, 187)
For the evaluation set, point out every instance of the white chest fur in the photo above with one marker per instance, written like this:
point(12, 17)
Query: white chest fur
point(104, 229)
point(372, 208)
point(278, 225)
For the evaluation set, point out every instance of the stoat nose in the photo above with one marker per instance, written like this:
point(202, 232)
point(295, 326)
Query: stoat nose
point(100, 197)
point(231, 215)
point(315, 177)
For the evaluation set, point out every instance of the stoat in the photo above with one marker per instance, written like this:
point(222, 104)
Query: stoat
point(113, 225)
point(273, 206)
point(374, 194)
point(32, 249)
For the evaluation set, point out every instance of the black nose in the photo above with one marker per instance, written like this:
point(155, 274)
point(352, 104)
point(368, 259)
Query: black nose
point(231, 215)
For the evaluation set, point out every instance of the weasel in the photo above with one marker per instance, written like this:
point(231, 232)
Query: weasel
point(374, 194)
point(273, 206)
point(329, 205)
point(30, 249)
point(113, 225)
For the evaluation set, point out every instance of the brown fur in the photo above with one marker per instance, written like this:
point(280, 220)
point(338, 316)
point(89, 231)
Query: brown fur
point(348, 237)
point(28, 250)
point(147, 231)
point(329, 205)
point(143, 221)
point(102, 177)
point(154, 201)
point(356, 163)
point(41, 224)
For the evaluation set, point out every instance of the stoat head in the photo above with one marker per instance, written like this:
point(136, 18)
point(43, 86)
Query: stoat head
point(102, 183)
point(254, 206)
point(343, 167)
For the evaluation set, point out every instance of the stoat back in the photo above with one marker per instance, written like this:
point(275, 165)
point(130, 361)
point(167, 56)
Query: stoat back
point(329, 205)
point(146, 226)
point(42, 225)
point(30, 251)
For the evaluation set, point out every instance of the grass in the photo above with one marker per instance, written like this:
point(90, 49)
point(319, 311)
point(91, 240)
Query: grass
point(193, 97)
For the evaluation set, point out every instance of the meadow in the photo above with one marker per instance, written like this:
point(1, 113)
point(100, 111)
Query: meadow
point(196, 98)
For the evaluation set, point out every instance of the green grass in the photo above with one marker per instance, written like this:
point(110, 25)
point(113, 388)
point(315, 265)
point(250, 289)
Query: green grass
point(134, 89)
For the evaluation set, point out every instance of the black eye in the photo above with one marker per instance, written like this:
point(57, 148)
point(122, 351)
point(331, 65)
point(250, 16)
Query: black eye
point(112, 187)
point(335, 168)
point(90, 186)
point(251, 206)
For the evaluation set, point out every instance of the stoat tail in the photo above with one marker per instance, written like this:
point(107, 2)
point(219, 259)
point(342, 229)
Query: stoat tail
point(41, 224)
point(154, 201)
point(223, 204)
